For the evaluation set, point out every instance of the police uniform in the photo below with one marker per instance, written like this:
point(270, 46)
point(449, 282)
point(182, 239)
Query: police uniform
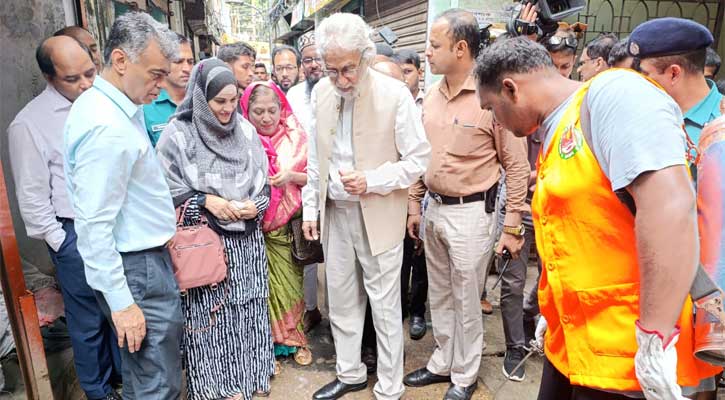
point(673, 36)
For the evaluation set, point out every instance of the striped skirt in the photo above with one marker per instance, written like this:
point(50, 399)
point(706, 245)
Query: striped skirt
point(231, 352)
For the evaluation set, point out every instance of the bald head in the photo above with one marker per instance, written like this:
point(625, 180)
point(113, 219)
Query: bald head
point(85, 37)
point(66, 65)
point(391, 69)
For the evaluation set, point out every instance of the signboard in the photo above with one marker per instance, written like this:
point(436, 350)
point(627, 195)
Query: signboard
point(298, 12)
point(313, 6)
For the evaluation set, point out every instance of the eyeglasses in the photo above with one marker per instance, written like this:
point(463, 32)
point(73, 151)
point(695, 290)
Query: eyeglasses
point(347, 72)
point(310, 60)
point(568, 41)
point(281, 68)
point(582, 62)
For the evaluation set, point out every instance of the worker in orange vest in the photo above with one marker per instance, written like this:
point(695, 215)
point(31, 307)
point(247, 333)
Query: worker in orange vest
point(614, 287)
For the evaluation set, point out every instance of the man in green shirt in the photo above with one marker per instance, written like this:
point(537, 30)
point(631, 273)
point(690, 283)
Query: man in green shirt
point(159, 111)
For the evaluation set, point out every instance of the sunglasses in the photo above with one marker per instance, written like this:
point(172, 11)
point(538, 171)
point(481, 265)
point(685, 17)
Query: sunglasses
point(567, 41)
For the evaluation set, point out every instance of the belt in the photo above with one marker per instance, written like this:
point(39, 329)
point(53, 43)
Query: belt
point(448, 200)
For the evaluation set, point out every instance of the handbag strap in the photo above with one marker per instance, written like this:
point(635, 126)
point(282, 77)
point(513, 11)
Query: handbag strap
point(180, 218)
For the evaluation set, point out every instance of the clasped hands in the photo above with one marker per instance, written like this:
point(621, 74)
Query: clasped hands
point(226, 210)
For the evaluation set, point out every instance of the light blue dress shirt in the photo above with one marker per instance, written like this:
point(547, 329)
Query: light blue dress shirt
point(116, 185)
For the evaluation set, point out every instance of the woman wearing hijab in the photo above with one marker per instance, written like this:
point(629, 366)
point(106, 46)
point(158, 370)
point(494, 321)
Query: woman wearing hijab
point(215, 165)
point(285, 142)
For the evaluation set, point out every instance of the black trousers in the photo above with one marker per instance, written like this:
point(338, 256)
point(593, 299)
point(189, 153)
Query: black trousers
point(556, 386)
point(414, 278)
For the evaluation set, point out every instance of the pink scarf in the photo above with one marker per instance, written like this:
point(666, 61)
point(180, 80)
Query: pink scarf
point(286, 150)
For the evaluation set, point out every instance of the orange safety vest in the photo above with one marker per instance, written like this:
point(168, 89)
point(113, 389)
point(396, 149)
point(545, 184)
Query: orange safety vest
point(589, 289)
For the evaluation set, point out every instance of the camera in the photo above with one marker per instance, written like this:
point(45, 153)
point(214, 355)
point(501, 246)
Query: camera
point(550, 12)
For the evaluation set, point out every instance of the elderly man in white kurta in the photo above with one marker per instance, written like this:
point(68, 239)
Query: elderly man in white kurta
point(367, 147)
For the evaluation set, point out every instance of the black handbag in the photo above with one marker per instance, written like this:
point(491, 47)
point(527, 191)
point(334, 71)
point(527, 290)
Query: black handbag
point(304, 252)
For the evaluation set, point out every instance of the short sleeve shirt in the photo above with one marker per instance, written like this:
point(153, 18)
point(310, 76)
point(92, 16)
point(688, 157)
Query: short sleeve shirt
point(703, 112)
point(635, 127)
point(157, 115)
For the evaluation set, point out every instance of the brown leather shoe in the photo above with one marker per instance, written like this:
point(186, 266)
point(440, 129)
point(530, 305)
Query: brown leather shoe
point(486, 307)
point(710, 329)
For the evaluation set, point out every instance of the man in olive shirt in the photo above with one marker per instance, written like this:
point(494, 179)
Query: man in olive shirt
point(468, 151)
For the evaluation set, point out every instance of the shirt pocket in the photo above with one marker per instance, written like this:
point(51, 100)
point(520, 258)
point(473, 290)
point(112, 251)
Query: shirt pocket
point(610, 313)
point(468, 141)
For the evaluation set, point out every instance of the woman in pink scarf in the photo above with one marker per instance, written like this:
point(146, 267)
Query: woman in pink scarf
point(285, 142)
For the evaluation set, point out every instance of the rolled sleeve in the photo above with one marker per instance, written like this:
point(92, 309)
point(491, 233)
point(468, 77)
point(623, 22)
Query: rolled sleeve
point(311, 191)
point(102, 166)
point(513, 154)
point(413, 148)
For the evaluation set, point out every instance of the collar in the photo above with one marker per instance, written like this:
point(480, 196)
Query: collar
point(163, 97)
point(116, 96)
point(468, 85)
point(58, 101)
point(703, 111)
point(419, 98)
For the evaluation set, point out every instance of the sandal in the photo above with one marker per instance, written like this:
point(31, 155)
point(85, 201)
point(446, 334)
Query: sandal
point(303, 356)
point(277, 367)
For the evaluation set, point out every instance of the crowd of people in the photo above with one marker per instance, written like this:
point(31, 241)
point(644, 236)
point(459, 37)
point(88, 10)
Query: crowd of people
point(617, 179)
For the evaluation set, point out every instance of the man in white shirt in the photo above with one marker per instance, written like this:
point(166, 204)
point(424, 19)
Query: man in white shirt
point(36, 157)
point(299, 98)
point(366, 148)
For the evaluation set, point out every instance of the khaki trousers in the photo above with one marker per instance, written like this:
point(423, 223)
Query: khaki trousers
point(353, 276)
point(458, 245)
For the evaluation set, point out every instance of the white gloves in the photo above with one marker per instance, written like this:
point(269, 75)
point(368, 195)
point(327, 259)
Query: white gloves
point(656, 366)
point(541, 327)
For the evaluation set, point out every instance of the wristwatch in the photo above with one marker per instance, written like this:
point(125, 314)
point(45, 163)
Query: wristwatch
point(515, 230)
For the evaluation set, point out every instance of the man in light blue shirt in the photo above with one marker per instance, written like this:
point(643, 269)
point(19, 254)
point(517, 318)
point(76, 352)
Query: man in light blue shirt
point(124, 212)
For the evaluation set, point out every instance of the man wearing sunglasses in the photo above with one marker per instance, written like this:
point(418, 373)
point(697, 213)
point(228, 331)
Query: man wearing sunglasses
point(366, 147)
point(562, 49)
point(595, 56)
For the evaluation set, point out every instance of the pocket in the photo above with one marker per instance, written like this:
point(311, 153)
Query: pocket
point(467, 141)
point(137, 275)
point(610, 313)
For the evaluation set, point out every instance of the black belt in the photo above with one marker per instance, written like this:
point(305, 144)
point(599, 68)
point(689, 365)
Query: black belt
point(448, 200)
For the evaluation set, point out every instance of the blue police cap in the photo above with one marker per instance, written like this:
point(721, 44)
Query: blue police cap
point(666, 37)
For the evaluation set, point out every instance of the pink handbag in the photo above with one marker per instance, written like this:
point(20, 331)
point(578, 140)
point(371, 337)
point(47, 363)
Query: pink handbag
point(197, 253)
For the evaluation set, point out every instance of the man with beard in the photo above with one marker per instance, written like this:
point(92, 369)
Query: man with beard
point(286, 66)
point(157, 114)
point(299, 98)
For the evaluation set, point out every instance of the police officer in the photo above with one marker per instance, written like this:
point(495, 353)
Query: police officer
point(672, 52)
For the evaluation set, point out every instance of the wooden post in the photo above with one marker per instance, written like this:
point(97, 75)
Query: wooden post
point(22, 311)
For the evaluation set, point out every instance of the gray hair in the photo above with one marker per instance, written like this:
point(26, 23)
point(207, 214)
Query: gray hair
point(229, 53)
point(346, 32)
point(132, 32)
point(518, 55)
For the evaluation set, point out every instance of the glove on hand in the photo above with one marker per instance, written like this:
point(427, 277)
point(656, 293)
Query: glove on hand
point(656, 365)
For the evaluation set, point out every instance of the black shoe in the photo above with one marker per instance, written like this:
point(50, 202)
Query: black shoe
point(513, 358)
point(423, 377)
point(112, 396)
point(337, 389)
point(311, 319)
point(456, 392)
point(417, 327)
point(369, 357)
